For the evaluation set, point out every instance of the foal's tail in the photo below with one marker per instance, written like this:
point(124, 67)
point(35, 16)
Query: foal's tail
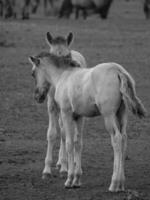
point(129, 96)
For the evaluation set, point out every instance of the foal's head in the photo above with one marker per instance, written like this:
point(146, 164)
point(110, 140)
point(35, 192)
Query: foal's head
point(59, 46)
point(38, 73)
point(46, 67)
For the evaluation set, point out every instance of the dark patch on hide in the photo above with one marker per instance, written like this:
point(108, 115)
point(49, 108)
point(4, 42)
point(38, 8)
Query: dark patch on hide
point(75, 116)
point(59, 61)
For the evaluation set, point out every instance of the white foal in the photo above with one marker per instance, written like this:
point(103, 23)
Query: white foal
point(59, 46)
point(106, 89)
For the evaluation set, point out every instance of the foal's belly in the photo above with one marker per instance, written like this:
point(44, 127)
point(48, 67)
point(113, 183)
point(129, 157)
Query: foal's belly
point(91, 111)
point(82, 95)
point(85, 107)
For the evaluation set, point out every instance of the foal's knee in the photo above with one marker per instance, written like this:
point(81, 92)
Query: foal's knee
point(124, 141)
point(124, 137)
point(51, 134)
point(69, 146)
point(52, 131)
point(117, 141)
point(78, 145)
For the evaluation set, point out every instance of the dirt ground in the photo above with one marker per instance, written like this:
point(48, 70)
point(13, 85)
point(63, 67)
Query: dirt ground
point(123, 38)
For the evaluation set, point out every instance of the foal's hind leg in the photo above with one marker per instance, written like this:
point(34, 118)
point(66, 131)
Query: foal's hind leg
point(122, 122)
point(78, 143)
point(117, 140)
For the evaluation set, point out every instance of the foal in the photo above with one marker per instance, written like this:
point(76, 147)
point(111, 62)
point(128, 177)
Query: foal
point(106, 89)
point(59, 46)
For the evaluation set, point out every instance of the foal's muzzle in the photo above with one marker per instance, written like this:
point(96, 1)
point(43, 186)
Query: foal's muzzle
point(40, 96)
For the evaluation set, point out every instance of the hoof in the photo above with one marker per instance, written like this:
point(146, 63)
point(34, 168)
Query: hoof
point(76, 183)
point(68, 187)
point(117, 186)
point(46, 176)
point(76, 186)
point(68, 183)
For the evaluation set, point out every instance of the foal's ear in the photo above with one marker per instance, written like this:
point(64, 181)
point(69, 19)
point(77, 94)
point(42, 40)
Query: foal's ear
point(34, 60)
point(49, 38)
point(69, 38)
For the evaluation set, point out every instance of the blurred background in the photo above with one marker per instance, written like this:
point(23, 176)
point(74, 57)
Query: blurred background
point(24, 9)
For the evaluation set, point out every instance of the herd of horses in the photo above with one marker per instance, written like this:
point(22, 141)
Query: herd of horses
point(146, 8)
point(75, 92)
point(96, 6)
point(8, 8)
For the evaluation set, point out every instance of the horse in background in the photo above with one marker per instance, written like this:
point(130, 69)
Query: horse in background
point(66, 9)
point(58, 46)
point(7, 8)
point(146, 8)
point(97, 6)
point(106, 89)
point(37, 3)
point(34, 5)
point(1, 8)
point(13, 8)
point(46, 2)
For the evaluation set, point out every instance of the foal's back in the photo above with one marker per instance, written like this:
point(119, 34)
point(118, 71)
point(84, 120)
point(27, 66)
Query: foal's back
point(82, 89)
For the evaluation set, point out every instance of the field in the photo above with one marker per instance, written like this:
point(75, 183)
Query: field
point(123, 38)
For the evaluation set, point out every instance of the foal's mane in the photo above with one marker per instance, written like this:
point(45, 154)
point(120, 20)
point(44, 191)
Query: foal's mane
point(59, 61)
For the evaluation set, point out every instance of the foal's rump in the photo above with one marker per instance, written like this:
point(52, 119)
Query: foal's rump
point(126, 88)
point(79, 58)
point(109, 83)
point(98, 90)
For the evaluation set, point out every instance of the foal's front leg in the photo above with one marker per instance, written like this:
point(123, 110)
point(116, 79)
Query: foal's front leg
point(62, 159)
point(51, 136)
point(69, 127)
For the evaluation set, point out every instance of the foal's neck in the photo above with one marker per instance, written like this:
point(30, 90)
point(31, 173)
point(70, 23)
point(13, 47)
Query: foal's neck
point(56, 66)
point(54, 74)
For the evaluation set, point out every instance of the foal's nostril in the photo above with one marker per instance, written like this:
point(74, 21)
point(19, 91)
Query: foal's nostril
point(39, 96)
